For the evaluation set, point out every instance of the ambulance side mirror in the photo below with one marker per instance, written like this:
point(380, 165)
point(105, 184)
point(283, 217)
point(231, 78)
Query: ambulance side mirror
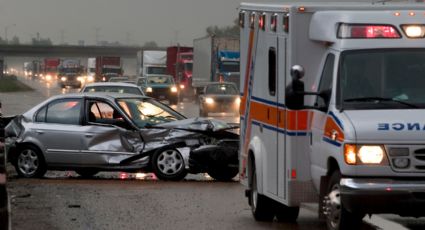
point(295, 90)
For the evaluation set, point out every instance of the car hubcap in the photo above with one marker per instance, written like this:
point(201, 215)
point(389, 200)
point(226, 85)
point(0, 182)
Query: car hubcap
point(28, 162)
point(332, 206)
point(170, 162)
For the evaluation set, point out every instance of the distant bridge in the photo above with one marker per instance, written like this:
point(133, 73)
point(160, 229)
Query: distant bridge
point(68, 51)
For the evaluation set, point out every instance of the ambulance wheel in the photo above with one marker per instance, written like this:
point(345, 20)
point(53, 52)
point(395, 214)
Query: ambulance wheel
point(337, 217)
point(261, 206)
point(286, 214)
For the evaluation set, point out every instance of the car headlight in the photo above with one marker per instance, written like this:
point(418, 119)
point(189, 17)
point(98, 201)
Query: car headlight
point(181, 86)
point(90, 78)
point(48, 77)
point(149, 90)
point(364, 154)
point(209, 100)
point(80, 78)
point(174, 89)
point(63, 78)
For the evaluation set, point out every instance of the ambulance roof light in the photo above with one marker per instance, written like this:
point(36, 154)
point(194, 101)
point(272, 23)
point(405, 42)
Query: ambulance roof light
point(262, 21)
point(273, 22)
point(285, 22)
point(242, 18)
point(252, 20)
point(367, 31)
point(414, 31)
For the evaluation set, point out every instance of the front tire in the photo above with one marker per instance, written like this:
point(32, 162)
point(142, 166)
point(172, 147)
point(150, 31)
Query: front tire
point(286, 214)
point(261, 206)
point(30, 162)
point(168, 164)
point(337, 217)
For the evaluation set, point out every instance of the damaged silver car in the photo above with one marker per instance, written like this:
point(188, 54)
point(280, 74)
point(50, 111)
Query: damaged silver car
point(93, 132)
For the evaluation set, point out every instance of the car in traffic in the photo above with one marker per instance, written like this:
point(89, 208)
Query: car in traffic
point(118, 87)
point(219, 97)
point(161, 87)
point(93, 132)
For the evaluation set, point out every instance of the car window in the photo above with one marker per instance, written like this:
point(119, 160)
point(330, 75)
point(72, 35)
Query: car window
point(225, 89)
point(102, 112)
point(63, 112)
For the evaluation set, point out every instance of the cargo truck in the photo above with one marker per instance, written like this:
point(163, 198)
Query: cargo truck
point(180, 65)
point(332, 109)
point(51, 67)
point(107, 67)
point(91, 69)
point(215, 59)
point(152, 61)
point(71, 73)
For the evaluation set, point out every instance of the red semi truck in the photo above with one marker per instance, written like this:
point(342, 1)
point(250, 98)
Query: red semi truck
point(51, 66)
point(107, 67)
point(179, 65)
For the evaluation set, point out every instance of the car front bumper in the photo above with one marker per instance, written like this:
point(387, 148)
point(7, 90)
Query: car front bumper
point(403, 197)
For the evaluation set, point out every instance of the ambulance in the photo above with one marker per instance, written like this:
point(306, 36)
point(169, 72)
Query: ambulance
point(333, 109)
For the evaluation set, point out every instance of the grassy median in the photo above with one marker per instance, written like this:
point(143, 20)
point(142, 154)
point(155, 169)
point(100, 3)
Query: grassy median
point(10, 83)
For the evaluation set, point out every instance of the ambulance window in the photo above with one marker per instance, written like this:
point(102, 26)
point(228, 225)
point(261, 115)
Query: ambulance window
point(326, 82)
point(272, 71)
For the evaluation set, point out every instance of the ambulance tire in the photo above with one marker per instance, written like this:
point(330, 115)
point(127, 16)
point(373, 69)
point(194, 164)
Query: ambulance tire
point(262, 207)
point(339, 217)
point(286, 214)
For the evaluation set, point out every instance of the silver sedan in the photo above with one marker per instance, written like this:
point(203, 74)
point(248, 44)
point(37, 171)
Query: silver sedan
point(92, 132)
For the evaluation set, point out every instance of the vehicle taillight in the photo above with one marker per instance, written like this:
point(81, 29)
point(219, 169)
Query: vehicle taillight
point(367, 31)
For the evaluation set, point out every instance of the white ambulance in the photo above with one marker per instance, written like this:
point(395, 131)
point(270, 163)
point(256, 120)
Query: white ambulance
point(333, 109)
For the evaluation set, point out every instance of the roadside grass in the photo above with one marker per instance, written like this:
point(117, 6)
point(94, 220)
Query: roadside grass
point(10, 83)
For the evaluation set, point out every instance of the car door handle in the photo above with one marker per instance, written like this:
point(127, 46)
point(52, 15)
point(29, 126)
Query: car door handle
point(39, 132)
point(88, 135)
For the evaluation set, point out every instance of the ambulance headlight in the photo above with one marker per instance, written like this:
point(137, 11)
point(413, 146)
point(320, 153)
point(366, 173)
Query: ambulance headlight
point(364, 154)
point(209, 100)
point(414, 31)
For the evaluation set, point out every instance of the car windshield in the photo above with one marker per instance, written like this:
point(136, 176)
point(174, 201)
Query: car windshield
point(160, 80)
point(115, 89)
point(148, 112)
point(230, 67)
point(156, 70)
point(225, 89)
point(382, 79)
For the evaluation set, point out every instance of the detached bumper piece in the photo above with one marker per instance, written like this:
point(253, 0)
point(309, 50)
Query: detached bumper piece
point(372, 196)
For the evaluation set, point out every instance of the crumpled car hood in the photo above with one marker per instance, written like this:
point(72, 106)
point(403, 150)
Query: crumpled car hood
point(199, 124)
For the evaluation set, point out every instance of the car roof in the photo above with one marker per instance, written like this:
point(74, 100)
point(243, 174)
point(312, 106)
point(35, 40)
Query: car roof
point(110, 84)
point(108, 95)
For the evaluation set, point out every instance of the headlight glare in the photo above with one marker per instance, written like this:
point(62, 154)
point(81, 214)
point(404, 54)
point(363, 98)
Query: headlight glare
point(149, 90)
point(209, 100)
point(174, 89)
point(369, 154)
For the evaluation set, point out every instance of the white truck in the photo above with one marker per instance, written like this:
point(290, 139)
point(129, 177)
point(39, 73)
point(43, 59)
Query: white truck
point(152, 61)
point(214, 59)
point(332, 109)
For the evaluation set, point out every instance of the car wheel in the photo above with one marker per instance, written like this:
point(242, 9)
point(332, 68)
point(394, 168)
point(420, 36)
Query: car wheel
point(337, 217)
point(261, 206)
point(30, 162)
point(86, 173)
point(168, 164)
point(286, 214)
point(223, 174)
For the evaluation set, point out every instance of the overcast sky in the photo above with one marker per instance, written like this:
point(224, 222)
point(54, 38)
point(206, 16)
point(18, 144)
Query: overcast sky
point(137, 21)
